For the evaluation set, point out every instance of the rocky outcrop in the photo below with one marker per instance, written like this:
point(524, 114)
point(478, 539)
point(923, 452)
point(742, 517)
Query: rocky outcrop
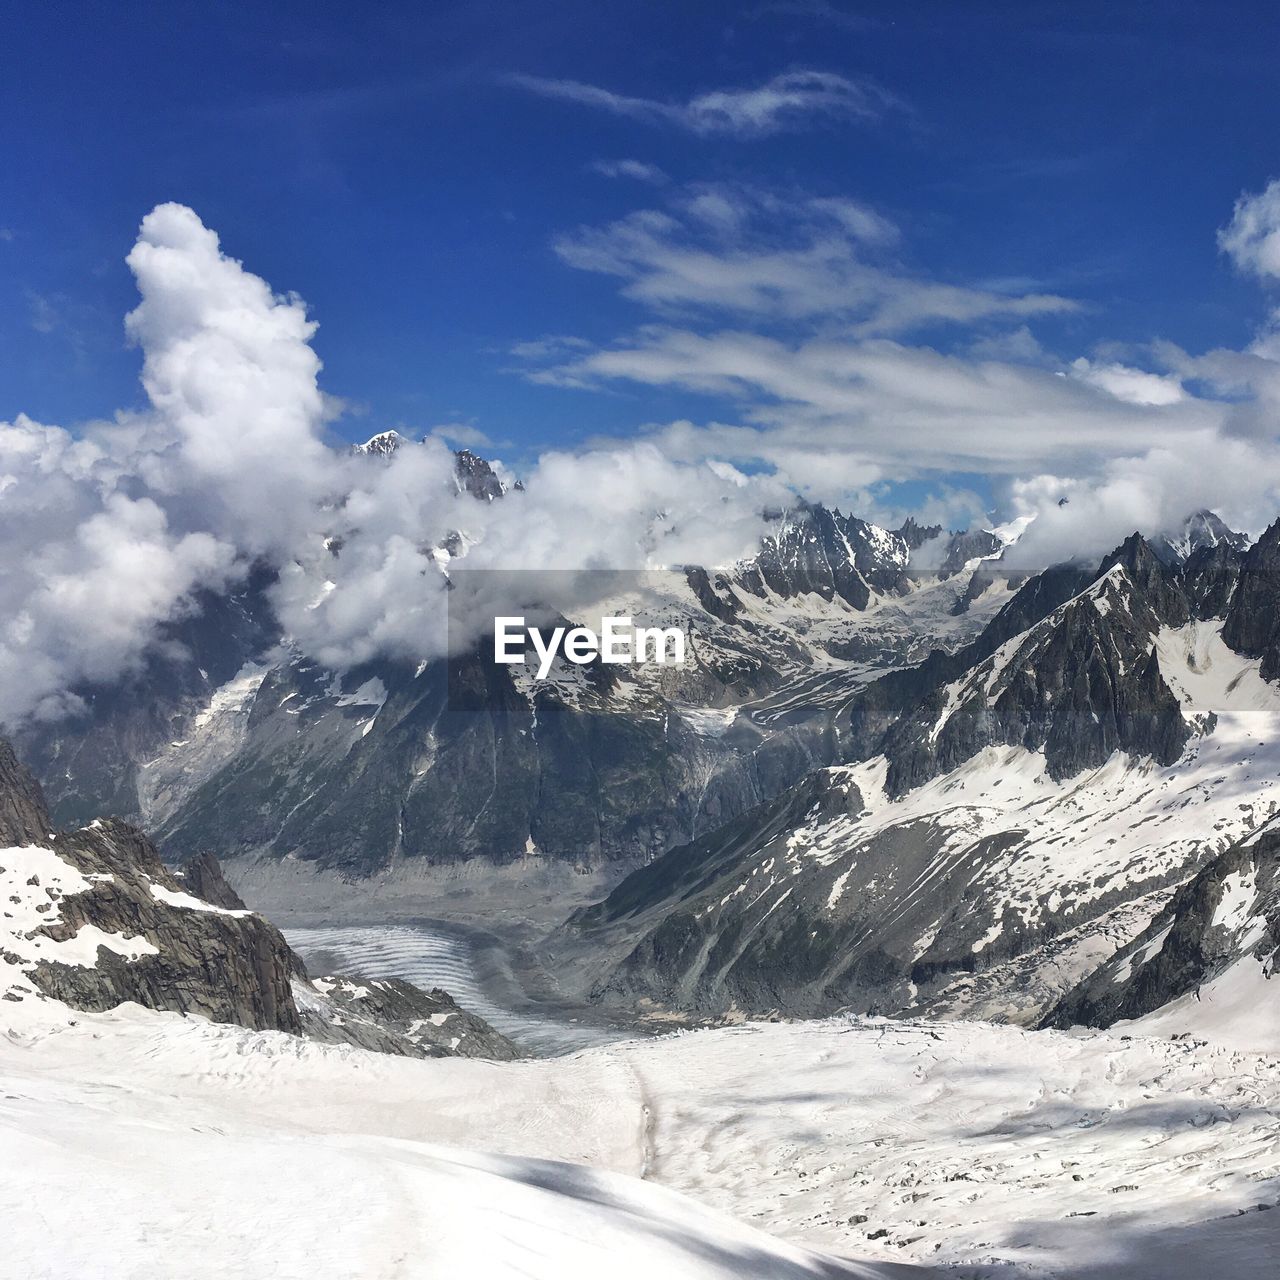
point(1226, 914)
point(388, 1015)
point(476, 476)
point(203, 878)
point(967, 545)
point(227, 965)
point(1253, 620)
point(822, 552)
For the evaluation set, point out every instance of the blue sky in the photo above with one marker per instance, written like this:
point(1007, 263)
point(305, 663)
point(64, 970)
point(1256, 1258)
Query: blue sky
point(452, 186)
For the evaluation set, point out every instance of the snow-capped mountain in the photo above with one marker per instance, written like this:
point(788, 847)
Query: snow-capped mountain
point(232, 739)
point(1010, 815)
point(1201, 529)
point(472, 474)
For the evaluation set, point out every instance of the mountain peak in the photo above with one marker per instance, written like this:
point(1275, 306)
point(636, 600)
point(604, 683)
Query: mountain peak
point(476, 476)
point(383, 445)
point(1202, 528)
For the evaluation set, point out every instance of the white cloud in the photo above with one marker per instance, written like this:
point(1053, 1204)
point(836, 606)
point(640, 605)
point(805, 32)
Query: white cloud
point(110, 535)
point(1252, 238)
point(786, 312)
point(462, 434)
point(785, 102)
point(637, 170)
point(1136, 386)
point(733, 249)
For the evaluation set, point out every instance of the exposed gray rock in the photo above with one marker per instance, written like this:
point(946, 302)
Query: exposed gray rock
point(1252, 624)
point(227, 966)
point(204, 879)
point(24, 817)
point(392, 1016)
point(1188, 945)
point(1079, 683)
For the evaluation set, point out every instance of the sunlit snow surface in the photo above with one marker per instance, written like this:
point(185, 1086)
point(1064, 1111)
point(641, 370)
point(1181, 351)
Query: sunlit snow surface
point(1118, 828)
point(146, 1144)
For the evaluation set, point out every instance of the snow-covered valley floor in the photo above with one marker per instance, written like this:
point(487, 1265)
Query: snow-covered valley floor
point(144, 1144)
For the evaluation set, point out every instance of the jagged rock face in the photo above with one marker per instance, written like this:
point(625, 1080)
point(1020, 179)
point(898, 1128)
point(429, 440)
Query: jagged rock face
point(1080, 684)
point(203, 878)
point(476, 476)
point(969, 544)
point(463, 765)
point(1227, 914)
point(1253, 619)
point(833, 556)
point(227, 965)
point(24, 817)
point(388, 1015)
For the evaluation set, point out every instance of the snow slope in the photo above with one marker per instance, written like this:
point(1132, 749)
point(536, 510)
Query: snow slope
point(147, 1144)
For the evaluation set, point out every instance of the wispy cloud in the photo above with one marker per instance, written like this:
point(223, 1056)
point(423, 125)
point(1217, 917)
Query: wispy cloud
point(635, 169)
point(793, 316)
point(732, 249)
point(461, 434)
point(45, 315)
point(788, 101)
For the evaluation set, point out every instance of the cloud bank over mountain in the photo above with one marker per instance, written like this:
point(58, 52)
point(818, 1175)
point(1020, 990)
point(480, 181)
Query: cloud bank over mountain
point(803, 314)
point(110, 531)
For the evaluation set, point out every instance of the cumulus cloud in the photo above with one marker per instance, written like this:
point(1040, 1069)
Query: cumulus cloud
point(788, 101)
point(90, 570)
point(1252, 238)
point(111, 533)
point(788, 310)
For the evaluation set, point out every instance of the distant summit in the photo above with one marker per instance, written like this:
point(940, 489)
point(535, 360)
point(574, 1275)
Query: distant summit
point(383, 445)
point(472, 473)
point(1202, 529)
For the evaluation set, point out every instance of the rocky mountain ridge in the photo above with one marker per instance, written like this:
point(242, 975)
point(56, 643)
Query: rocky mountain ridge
point(1013, 812)
point(251, 748)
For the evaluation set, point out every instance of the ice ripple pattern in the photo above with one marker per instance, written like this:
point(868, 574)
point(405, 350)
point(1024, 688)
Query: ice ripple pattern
point(429, 958)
